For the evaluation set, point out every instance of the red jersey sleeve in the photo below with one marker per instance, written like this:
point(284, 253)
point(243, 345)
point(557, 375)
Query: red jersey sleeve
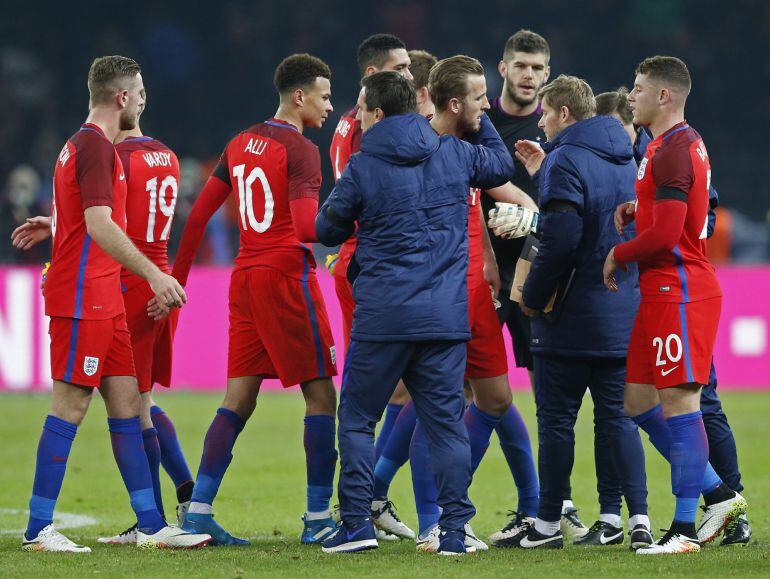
point(94, 170)
point(304, 170)
point(221, 171)
point(672, 168)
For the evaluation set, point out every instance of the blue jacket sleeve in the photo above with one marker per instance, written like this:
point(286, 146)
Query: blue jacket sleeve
point(336, 219)
point(712, 216)
point(488, 158)
point(561, 230)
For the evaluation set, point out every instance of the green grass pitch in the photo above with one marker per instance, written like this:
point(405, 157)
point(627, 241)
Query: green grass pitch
point(262, 497)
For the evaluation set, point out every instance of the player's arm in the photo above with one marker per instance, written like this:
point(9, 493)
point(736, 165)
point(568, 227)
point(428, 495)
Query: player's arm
point(491, 271)
point(561, 229)
point(509, 193)
point(336, 219)
point(712, 216)
point(489, 162)
point(304, 172)
point(114, 241)
point(31, 232)
point(211, 197)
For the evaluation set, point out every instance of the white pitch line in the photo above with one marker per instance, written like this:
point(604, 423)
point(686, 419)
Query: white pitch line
point(61, 520)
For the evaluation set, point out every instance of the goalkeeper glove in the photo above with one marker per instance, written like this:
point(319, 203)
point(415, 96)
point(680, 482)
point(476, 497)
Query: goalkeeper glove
point(510, 221)
point(331, 262)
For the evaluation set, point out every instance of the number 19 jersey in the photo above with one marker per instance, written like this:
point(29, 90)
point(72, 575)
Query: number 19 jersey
point(152, 176)
point(267, 166)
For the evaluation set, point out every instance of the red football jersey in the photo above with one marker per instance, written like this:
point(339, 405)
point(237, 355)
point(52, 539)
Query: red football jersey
point(152, 176)
point(475, 240)
point(677, 159)
point(267, 166)
point(345, 142)
point(83, 281)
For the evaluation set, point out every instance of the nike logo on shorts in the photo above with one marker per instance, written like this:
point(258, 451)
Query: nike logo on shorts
point(667, 372)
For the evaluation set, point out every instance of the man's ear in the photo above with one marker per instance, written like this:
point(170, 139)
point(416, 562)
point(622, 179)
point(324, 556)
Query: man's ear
point(502, 68)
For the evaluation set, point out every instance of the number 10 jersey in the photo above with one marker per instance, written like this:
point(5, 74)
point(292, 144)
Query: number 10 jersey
point(267, 166)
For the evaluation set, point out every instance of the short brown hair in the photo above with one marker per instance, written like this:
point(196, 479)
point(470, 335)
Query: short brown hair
point(390, 92)
point(106, 74)
point(298, 71)
point(668, 69)
point(615, 101)
point(571, 92)
point(448, 79)
point(422, 62)
point(526, 41)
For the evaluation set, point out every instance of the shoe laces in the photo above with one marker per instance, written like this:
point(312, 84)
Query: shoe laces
point(390, 508)
point(128, 531)
point(596, 527)
point(517, 519)
point(571, 515)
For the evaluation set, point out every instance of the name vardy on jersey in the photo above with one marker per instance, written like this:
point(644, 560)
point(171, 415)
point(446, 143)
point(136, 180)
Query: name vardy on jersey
point(157, 159)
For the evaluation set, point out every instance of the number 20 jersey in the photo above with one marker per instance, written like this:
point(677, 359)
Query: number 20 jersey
point(152, 175)
point(267, 166)
point(677, 159)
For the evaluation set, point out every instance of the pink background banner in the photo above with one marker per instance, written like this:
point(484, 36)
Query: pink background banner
point(742, 356)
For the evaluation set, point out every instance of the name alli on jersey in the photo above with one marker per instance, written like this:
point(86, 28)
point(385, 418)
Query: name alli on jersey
point(255, 147)
point(157, 159)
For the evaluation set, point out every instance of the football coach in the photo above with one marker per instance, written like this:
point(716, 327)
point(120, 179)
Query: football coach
point(407, 190)
point(584, 170)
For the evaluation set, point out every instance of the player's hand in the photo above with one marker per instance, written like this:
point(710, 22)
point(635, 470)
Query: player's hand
point(624, 214)
point(32, 232)
point(531, 155)
point(168, 291)
point(156, 309)
point(610, 267)
point(331, 262)
point(492, 276)
point(510, 221)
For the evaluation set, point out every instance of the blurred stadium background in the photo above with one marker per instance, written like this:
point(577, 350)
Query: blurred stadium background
point(208, 70)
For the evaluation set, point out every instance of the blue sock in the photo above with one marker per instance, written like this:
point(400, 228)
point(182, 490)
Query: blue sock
point(217, 454)
point(152, 450)
point(52, 453)
point(689, 457)
point(321, 460)
point(171, 455)
point(515, 444)
point(480, 426)
point(658, 429)
point(126, 437)
point(396, 451)
point(391, 414)
point(423, 481)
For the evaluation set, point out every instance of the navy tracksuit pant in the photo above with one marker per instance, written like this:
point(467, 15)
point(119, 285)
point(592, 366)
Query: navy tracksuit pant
point(560, 383)
point(433, 373)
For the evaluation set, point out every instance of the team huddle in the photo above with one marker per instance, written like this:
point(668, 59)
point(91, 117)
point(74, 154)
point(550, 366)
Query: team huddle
point(577, 221)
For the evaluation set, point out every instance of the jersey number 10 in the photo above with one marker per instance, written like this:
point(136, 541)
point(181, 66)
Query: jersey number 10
point(246, 198)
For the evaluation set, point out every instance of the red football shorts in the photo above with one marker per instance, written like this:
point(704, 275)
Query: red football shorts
point(151, 341)
point(278, 328)
point(345, 296)
point(486, 350)
point(673, 344)
point(85, 351)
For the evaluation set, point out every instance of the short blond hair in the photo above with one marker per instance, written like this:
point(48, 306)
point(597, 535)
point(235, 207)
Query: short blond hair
point(107, 75)
point(571, 92)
